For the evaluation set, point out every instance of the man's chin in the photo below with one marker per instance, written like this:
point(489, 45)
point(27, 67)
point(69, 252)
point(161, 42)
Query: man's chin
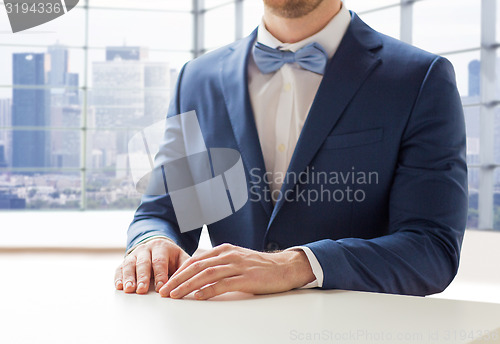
point(292, 8)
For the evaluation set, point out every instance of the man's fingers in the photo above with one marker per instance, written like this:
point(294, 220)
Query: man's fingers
point(119, 278)
point(128, 269)
point(143, 271)
point(208, 276)
point(189, 261)
point(225, 285)
point(191, 270)
point(202, 256)
point(160, 261)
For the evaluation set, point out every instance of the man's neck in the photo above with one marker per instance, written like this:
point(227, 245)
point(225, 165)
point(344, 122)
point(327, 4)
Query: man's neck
point(292, 30)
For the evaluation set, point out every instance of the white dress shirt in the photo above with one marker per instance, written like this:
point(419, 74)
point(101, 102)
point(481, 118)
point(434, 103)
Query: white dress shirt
point(280, 103)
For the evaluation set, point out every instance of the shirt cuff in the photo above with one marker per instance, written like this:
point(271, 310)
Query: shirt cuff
point(315, 266)
point(144, 240)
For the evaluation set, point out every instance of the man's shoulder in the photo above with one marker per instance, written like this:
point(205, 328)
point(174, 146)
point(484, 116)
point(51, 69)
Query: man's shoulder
point(388, 48)
point(398, 53)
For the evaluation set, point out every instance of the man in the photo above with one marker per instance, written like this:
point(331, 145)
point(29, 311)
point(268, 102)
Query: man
point(376, 107)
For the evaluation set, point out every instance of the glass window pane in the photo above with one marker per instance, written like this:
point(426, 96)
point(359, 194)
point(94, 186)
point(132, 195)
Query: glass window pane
point(109, 178)
point(40, 150)
point(111, 189)
point(107, 149)
point(124, 108)
point(440, 33)
point(466, 67)
point(386, 21)
point(219, 26)
point(130, 93)
point(159, 30)
point(252, 12)
point(33, 107)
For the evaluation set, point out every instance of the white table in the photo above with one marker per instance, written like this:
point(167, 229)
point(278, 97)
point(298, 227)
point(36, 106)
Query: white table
point(70, 298)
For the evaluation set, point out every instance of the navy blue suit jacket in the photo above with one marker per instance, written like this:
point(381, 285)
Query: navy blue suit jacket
point(383, 107)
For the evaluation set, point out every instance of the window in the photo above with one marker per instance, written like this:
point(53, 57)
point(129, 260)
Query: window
point(72, 92)
point(63, 137)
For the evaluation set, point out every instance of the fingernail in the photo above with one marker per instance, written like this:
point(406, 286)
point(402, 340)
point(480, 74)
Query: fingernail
point(164, 291)
point(159, 285)
point(198, 294)
point(140, 286)
point(174, 293)
point(128, 284)
point(118, 283)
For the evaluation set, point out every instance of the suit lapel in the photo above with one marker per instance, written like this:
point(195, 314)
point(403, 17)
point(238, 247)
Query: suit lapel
point(348, 69)
point(235, 90)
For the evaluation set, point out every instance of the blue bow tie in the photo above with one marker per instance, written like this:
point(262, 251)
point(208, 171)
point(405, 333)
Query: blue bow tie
point(311, 57)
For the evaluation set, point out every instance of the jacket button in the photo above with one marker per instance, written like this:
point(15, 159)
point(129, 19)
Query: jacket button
point(272, 246)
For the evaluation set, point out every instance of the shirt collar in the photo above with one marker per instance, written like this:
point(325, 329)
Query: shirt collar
point(329, 37)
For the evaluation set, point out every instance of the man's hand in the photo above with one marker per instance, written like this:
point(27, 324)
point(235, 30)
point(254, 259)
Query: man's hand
point(160, 256)
point(228, 268)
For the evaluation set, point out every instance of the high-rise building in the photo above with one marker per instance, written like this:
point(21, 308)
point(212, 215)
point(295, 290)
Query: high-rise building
point(157, 91)
point(59, 62)
point(62, 83)
point(30, 107)
point(127, 91)
point(474, 79)
point(118, 92)
point(65, 144)
point(72, 91)
point(65, 111)
point(3, 160)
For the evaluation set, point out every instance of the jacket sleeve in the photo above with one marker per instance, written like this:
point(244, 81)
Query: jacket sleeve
point(427, 205)
point(155, 215)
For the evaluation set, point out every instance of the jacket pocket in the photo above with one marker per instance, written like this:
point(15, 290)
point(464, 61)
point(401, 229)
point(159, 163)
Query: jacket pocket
point(359, 138)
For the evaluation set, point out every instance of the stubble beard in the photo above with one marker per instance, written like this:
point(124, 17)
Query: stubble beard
point(292, 8)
